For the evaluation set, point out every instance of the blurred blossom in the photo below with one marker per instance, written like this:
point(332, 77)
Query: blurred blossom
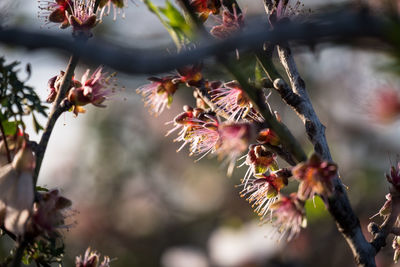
point(158, 94)
point(16, 191)
point(184, 257)
point(117, 5)
point(231, 24)
point(92, 259)
point(245, 246)
point(385, 105)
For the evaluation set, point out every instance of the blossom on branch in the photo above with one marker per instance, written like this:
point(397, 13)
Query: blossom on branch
point(197, 128)
point(54, 85)
point(267, 136)
point(262, 191)
point(288, 215)
point(93, 89)
point(83, 17)
point(231, 24)
point(232, 99)
point(315, 177)
point(56, 11)
point(259, 160)
point(158, 94)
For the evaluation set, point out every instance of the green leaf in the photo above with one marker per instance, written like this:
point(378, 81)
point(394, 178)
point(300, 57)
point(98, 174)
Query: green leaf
point(36, 126)
point(40, 188)
point(10, 127)
point(315, 209)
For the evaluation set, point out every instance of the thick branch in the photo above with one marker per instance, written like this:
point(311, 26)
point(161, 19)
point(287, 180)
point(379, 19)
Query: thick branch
point(343, 26)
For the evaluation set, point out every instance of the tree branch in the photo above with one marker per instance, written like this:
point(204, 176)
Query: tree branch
point(60, 105)
point(338, 26)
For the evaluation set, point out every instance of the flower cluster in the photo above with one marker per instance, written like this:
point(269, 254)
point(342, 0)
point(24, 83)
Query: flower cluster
point(205, 134)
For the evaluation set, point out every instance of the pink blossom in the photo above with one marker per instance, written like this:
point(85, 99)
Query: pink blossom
point(315, 177)
point(93, 89)
point(197, 128)
point(231, 23)
point(83, 18)
point(259, 160)
point(385, 105)
point(232, 99)
point(55, 11)
point(288, 215)
point(233, 141)
point(158, 94)
point(263, 190)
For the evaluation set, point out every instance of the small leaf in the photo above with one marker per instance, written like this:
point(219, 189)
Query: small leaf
point(36, 126)
point(41, 189)
point(10, 127)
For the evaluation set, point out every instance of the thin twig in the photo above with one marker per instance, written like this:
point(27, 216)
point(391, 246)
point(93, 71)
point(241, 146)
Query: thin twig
point(57, 110)
point(387, 226)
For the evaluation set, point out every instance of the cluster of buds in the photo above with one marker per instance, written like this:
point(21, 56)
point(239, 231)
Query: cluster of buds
point(315, 177)
point(91, 259)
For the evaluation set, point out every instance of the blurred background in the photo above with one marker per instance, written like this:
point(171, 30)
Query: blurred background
point(138, 201)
